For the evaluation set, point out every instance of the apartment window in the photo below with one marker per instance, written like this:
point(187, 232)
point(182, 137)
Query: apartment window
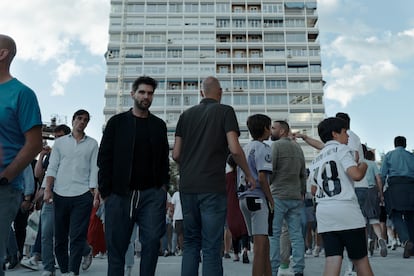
point(239, 54)
point(255, 38)
point(175, 7)
point(242, 118)
point(256, 84)
point(295, 37)
point(256, 99)
point(256, 68)
point(131, 38)
point(275, 68)
point(190, 85)
point(239, 23)
point(239, 38)
point(223, 23)
point(238, 9)
point(223, 69)
point(255, 23)
point(239, 69)
point(317, 99)
point(240, 99)
point(253, 9)
point(298, 69)
point(276, 84)
point(272, 8)
point(191, 7)
point(299, 99)
point(155, 38)
point(136, 8)
point(158, 100)
point(315, 68)
point(298, 85)
point(274, 37)
point(273, 23)
point(173, 100)
point(207, 8)
point(174, 53)
point(223, 7)
point(172, 117)
point(279, 99)
point(190, 99)
point(111, 100)
point(226, 99)
point(156, 8)
point(314, 52)
point(255, 53)
point(295, 23)
point(240, 84)
point(223, 53)
point(316, 84)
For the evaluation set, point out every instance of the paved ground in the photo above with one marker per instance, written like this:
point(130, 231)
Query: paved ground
point(392, 265)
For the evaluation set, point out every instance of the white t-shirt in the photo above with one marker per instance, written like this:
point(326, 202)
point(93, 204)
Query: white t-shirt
point(178, 213)
point(354, 143)
point(338, 207)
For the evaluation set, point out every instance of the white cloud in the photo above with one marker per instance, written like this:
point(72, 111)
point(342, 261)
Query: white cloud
point(351, 81)
point(64, 73)
point(48, 29)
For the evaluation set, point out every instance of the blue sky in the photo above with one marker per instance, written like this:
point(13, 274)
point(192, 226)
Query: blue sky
point(367, 58)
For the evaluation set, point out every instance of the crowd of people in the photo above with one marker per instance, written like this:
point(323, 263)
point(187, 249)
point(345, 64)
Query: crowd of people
point(115, 197)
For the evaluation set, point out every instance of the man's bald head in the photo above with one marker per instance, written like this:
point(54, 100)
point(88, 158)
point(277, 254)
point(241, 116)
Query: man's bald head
point(7, 48)
point(212, 88)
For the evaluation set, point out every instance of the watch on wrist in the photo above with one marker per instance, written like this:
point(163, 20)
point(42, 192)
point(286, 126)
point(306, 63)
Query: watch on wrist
point(4, 181)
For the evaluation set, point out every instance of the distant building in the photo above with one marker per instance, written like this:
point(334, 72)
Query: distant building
point(265, 53)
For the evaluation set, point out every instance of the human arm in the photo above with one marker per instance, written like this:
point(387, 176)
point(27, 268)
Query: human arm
point(177, 149)
point(380, 187)
point(310, 141)
point(105, 161)
point(357, 172)
point(39, 170)
point(264, 184)
point(239, 157)
point(32, 146)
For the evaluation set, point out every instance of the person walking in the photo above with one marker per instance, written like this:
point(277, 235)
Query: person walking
point(204, 134)
point(397, 171)
point(20, 138)
point(71, 179)
point(134, 176)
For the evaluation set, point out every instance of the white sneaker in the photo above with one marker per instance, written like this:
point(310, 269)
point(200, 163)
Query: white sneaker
point(285, 272)
point(316, 251)
point(31, 263)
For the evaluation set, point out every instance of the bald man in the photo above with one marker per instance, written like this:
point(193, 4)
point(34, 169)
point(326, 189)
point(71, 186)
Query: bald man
point(205, 133)
point(20, 138)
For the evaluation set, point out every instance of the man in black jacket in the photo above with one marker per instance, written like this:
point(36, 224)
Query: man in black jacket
point(133, 176)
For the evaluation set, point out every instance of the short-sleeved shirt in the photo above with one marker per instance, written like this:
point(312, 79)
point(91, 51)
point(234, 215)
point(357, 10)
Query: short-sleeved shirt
point(203, 130)
point(371, 173)
point(338, 207)
point(19, 112)
point(354, 143)
point(258, 155)
point(175, 200)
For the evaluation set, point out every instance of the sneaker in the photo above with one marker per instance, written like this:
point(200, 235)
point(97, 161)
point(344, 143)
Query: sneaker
point(166, 253)
point(316, 251)
point(308, 251)
point(285, 272)
point(179, 252)
point(100, 255)
point(87, 260)
point(227, 256)
point(128, 271)
point(408, 247)
point(13, 262)
point(48, 273)
point(371, 245)
point(383, 247)
point(245, 258)
point(31, 263)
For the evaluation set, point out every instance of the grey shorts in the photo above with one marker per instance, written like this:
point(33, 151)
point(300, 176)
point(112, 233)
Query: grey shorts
point(256, 215)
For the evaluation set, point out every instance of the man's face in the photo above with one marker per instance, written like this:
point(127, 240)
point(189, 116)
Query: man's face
point(80, 122)
point(143, 96)
point(341, 137)
point(275, 131)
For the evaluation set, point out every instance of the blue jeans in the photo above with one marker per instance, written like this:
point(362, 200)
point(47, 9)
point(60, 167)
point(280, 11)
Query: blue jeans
point(10, 200)
point(47, 216)
point(203, 217)
point(404, 224)
point(291, 211)
point(129, 255)
point(71, 225)
point(150, 217)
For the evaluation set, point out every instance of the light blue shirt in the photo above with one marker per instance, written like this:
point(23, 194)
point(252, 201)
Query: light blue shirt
point(398, 162)
point(73, 165)
point(371, 173)
point(28, 182)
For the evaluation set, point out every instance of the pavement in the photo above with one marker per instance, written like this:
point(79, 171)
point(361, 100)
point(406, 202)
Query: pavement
point(392, 265)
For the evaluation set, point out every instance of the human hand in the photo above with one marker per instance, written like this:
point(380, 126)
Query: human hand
point(48, 196)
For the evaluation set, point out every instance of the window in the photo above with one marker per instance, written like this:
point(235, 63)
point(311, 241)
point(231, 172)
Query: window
point(274, 37)
point(223, 23)
point(276, 84)
point(276, 99)
point(175, 7)
point(273, 8)
point(256, 68)
point(239, 23)
point(256, 99)
point(173, 100)
point(158, 100)
point(296, 37)
point(255, 23)
point(240, 99)
point(275, 68)
point(256, 84)
point(190, 99)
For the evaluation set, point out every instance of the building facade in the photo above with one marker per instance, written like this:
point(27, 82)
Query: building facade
point(265, 53)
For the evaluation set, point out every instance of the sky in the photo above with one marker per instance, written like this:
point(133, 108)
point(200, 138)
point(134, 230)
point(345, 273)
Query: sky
point(366, 47)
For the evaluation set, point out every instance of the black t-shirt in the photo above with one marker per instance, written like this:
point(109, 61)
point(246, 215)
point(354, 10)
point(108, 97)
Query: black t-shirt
point(141, 175)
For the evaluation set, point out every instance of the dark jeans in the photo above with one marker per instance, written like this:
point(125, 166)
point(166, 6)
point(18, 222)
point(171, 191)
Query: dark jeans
point(149, 216)
point(404, 224)
point(71, 224)
point(203, 216)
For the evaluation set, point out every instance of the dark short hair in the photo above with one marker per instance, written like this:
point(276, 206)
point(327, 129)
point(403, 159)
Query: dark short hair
point(144, 80)
point(283, 124)
point(64, 128)
point(81, 112)
point(345, 117)
point(400, 141)
point(329, 125)
point(257, 124)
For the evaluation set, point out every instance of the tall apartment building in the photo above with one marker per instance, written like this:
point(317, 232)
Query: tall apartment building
point(265, 53)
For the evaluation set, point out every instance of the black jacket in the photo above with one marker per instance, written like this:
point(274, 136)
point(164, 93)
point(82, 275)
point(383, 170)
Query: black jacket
point(116, 153)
